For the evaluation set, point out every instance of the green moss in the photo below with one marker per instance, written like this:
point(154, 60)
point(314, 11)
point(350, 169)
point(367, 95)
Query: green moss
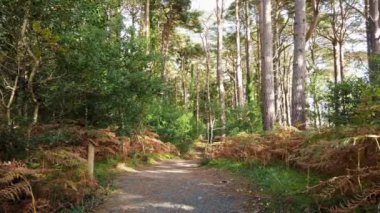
point(285, 185)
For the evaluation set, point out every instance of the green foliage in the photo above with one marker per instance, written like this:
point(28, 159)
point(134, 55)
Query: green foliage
point(105, 171)
point(283, 184)
point(247, 119)
point(109, 87)
point(368, 111)
point(12, 144)
point(352, 102)
point(55, 138)
point(175, 125)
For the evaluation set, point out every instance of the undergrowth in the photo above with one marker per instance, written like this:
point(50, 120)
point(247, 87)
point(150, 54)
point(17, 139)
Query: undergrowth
point(347, 157)
point(54, 171)
point(285, 186)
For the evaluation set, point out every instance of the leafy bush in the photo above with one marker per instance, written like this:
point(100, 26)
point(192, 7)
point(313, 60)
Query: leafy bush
point(368, 111)
point(111, 87)
point(175, 125)
point(247, 119)
point(12, 144)
point(353, 101)
point(54, 138)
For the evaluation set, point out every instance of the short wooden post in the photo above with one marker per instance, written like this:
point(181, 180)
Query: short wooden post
point(91, 159)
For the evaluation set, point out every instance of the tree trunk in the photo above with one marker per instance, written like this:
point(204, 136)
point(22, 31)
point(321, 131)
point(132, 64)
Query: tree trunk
point(208, 69)
point(276, 61)
point(341, 59)
point(299, 67)
point(239, 74)
point(248, 52)
point(267, 65)
point(374, 45)
point(337, 66)
point(197, 98)
point(164, 53)
point(220, 72)
point(147, 24)
point(147, 19)
point(183, 83)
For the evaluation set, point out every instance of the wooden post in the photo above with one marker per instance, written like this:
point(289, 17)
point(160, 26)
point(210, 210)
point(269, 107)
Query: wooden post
point(91, 159)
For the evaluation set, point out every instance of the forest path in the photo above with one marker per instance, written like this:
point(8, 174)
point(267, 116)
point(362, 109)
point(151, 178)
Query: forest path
point(180, 186)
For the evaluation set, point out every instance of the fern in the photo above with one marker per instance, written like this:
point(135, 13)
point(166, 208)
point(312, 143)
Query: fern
point(369, 197)
point(15, 192)
point(63, 158)
point(9, 178)
point(15, 187)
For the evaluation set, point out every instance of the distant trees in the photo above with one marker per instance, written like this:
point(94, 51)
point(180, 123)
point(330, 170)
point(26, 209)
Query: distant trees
point(107, 63)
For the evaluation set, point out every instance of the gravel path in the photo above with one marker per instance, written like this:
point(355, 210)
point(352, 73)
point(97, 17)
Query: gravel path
point(179, 186)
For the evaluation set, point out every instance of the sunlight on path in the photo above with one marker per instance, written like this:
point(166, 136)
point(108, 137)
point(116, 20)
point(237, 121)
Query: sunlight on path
point(176, 186)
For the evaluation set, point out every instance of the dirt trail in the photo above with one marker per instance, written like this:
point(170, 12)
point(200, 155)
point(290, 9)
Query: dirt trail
point(179, 186)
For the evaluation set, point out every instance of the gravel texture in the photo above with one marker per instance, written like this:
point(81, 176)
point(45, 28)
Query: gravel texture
point(179, 186)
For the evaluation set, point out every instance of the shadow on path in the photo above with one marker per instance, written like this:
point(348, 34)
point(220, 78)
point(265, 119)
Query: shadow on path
point(178, 186)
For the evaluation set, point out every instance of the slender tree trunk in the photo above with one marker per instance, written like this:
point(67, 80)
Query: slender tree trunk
point(147, 24)
point(337, 67)
point(197, 98)
point(374, 46)
point(165, 43)
point(235, 97)
point(341, 59)
point(147, 19)
point(276, 60)
point(248, 52)
point(299, 67)
point(20, 45)
point(208, 69)
point(287, 88)
point(267, 65)
point(239, 73)
point(257, 74)
point(315, 19)
point(183, 84)
point(220, 72)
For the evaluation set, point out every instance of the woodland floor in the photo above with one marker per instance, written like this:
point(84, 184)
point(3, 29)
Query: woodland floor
point(180, 186)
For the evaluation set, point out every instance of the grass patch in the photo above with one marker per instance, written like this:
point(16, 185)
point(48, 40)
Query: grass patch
point(105, 171)
point(284, 185)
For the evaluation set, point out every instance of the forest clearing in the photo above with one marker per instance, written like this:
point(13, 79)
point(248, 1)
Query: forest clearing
point(189, 106)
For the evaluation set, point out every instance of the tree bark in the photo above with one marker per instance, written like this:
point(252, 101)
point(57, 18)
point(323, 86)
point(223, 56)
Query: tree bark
point(197, 98)
point(315, 20)
point(147, 20)
point(239, 74)
point(185, 97)
point(267, 65)
point(374, 45)
point(248, 52)
point(299, 67)
point(147, 25)
point(337, 61)
point(210, 116)
point(220, 71)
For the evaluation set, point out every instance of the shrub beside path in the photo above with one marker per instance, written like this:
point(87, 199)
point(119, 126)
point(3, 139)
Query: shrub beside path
point(180, 186)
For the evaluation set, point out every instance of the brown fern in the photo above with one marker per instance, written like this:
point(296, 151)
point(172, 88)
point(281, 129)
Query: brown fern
point(15, 187)
point(369, 197)
point(9, 177)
